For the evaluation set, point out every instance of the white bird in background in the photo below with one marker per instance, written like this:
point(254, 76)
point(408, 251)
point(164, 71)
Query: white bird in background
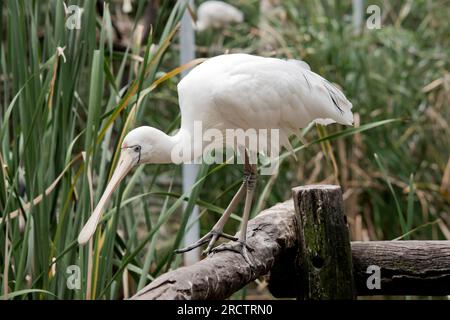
point(217, 15)
point(127, 7)
point(235, 91)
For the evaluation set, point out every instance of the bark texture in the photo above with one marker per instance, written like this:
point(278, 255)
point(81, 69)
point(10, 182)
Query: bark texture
point(406, 267)
point(300, 251)
point(221, 274)
point(413, 268)
point(324, 258)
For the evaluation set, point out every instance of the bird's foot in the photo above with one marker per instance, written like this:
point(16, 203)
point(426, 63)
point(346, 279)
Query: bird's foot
point(211, 237)
point(239, 246)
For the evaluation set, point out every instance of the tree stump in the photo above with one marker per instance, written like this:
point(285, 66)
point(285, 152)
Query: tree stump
point(324, 260)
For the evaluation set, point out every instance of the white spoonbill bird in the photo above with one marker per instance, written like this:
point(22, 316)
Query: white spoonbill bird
point(217, 15)
point(234, 91)
point(127, 6)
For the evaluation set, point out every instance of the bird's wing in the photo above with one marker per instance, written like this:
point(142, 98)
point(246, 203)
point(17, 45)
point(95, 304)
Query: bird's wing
point(273, 93)
point(246, 91)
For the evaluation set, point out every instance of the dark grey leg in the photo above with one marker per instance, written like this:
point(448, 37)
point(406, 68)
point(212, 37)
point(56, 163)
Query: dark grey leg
point(250, 173)
point(216, 232)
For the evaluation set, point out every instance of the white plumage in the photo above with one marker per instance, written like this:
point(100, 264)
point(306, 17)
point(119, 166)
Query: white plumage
point(235, 91)
point(246, 91)
point(127, 7)
point(217, 14)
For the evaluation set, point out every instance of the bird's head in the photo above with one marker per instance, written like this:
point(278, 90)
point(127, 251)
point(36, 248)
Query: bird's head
point(146, 145)
point(141, 145)
point(200, 26)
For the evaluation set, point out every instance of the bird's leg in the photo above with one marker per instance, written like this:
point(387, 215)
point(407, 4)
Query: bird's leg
point(217, 231)
point(241, 246)
point(219, 44)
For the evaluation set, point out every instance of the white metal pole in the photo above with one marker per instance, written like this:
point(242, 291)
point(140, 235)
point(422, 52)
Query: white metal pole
point(187, 53)
point(358, 15)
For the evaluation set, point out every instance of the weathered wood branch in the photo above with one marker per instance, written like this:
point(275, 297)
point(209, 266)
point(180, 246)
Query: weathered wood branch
point(324, 256)
point(406, 267)
point(221, 274)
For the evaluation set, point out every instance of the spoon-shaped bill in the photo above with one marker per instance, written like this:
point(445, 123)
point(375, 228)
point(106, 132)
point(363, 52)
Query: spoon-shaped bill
point(126, 162)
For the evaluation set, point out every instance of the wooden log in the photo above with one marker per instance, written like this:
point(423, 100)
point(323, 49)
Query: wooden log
point(405, 267)
point(324, 259)
point(221, 274)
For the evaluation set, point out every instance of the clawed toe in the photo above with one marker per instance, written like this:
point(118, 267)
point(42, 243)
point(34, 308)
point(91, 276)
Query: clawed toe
point(210, 237)
point(240, 247)
point(199, 243)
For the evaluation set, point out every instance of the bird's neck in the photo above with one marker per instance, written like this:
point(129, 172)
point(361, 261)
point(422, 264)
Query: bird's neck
point(182, 148)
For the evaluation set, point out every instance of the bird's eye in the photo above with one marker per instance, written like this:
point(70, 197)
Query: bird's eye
point(137, 149)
